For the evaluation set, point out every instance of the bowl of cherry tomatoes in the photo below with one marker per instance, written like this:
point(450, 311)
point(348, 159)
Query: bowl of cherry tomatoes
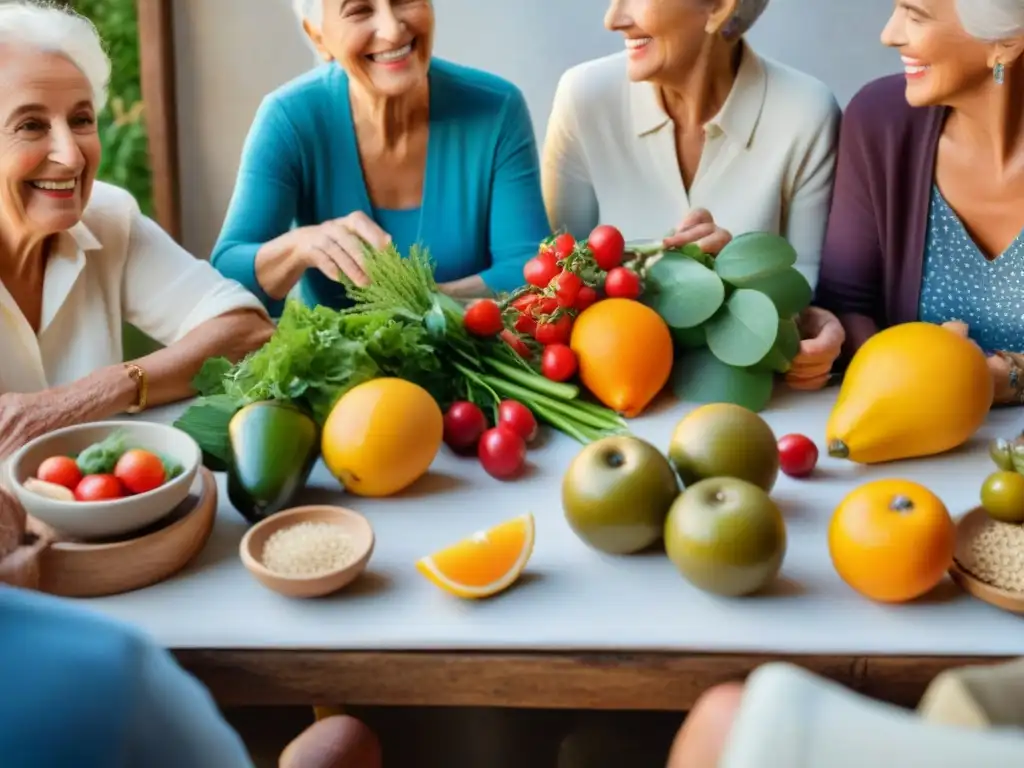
point(104, 479)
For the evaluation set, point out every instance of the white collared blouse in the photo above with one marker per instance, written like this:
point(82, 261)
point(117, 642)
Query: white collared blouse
point(767, 165)
point(116, 265)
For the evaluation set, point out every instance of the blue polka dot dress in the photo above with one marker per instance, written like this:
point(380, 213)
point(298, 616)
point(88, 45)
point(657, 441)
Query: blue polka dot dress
point(959, 283)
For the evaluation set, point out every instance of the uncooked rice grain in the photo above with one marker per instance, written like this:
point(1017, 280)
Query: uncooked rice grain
point(995, 554)
point(308, 549)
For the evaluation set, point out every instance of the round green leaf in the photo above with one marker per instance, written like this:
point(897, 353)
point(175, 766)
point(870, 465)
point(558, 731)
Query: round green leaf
point(743, 331)
point(785, 348)
point(788, 290)
point(684, 292)
point(690, 338)
point(753, 256)
point(700, 377)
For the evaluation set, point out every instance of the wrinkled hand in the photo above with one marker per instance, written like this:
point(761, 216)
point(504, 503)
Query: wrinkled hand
point(698, 226)
point(24, 417)
point(337, 245)
point(997, 366)
point(823, 338)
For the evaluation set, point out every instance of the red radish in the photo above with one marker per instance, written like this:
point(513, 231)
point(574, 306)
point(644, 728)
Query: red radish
point(463, 424)
point(557, 332)
point(798, 455)
point(541, 269)
point(607, 245)
point(60, 470)
point(518, 418)
point(99, 488)
point(622, 283)
point(140, 471)
point(558, 362)
point(567, 288)
point(502, 453)
point(564, 245)
point(585, 298)
point(483, 318)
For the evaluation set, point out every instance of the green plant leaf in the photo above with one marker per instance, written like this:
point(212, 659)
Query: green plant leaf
point(753, 256)
point(743, 331)
point(690, 338)
point(684, 292)
point(785, 348)
point(700, 377)
point(788, 290)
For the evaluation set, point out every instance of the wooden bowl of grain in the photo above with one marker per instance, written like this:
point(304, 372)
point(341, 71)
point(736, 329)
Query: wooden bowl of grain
point(989, 560)
point(308, 551)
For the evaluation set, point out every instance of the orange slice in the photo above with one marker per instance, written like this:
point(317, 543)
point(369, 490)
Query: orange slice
point(485, 563)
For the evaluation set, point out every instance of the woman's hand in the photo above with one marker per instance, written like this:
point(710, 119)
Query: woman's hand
point(998, 366)
point(337, 245)
point(24, 417)
point(698, 227)
point(823, 338)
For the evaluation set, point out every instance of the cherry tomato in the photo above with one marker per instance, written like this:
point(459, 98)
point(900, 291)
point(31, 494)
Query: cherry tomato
point(483, 318)
point(463, 424)
point(558, 362)
point(516, 342)
point(622, 283)
point(525, 301)
point(564, 245)
point(567, 288)
point(502, 453)
point(798, 455)
point(99, 488)
point(585, 297)
point(607, 244)
point(540, 269)
point(140, 471)
point(518, 418)
point(557, 332)
point(525, 324)
point(546, 306)
point(60, 470)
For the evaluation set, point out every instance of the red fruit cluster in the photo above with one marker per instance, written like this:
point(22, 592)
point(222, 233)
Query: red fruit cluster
point(501, 449)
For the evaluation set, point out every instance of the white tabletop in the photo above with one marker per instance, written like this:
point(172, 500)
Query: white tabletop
point(571, 597)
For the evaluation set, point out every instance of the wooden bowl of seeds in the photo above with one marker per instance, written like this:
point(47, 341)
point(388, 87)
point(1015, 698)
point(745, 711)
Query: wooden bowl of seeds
point(989, 560)
point(308, 551)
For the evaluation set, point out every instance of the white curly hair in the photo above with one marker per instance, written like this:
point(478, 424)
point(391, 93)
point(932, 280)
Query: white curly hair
point(992, 19)
point(49, 27)
point(746, 15)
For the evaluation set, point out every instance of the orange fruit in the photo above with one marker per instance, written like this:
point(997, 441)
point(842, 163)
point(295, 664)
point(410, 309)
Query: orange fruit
point(891, 540)
point(625, 356)
point(485, 563)
point(382, 436)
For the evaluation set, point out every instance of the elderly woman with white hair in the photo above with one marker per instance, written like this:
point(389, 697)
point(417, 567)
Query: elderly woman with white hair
point(928, 210)
point(383, 143)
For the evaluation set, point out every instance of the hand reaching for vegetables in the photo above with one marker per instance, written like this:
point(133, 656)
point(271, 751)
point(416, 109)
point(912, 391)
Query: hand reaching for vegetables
point(1000, 368)
point(823, 337)
point(336, 246)
point(24, 417)
point(698, 226)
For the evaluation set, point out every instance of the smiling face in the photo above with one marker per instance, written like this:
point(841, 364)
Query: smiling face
point(384, 44)
point(49, 147)
point(664, 38)
point(941, 60)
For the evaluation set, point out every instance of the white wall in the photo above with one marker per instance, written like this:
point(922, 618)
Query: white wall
point(231, 52)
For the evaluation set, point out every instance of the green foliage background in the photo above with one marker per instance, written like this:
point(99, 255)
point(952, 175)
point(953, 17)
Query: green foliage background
point(121, 124)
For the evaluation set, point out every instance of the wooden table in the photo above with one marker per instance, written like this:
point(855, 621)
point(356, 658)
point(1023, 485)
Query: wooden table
point(582, 629)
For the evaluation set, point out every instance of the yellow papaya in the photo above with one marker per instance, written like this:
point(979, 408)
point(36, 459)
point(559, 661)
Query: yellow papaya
point(912, 390)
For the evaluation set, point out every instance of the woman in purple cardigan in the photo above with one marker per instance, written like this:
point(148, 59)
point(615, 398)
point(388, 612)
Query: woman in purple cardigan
point(928, 204)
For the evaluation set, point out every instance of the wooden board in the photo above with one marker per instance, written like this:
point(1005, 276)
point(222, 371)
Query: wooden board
point(77, 569)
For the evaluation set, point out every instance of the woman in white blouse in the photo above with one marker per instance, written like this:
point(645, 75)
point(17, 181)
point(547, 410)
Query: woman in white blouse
point(690, 130)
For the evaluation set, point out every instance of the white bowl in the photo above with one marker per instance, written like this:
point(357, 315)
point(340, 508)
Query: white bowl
point(92, 520)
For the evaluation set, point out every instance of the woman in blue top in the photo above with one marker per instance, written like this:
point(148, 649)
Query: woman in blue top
point(383, 143)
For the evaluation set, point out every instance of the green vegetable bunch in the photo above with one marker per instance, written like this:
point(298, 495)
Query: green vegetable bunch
point(733, 317)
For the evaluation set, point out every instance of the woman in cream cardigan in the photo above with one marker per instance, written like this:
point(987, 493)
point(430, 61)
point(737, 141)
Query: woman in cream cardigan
point(690, 130)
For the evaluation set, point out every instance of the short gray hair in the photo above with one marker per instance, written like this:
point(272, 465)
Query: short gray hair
point(992, 19)
point(309, 10)
point(746, 15)
point(54, 29)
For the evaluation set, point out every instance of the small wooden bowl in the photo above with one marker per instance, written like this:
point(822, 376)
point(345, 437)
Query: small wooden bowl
point(357, 526)
point(967, 527)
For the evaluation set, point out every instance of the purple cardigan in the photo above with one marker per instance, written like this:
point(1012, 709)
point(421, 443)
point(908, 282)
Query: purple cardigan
point(873, 257)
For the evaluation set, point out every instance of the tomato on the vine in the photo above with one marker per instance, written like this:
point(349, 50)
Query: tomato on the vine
point(525, 324)
point(541, 269)
point(546, 306)
point(564, 245)
point(517, 344)
point(622, 283)
point(524, 302)
point(483, 318)
point(567, 287)
point(558, 362)
point(585, 297)
point(608, 245)
point(556, 332)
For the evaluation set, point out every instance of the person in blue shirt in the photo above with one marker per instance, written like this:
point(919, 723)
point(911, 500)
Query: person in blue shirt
point(383, 143)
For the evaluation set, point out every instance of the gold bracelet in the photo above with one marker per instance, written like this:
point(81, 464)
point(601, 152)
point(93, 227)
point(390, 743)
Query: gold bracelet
point(138, 375)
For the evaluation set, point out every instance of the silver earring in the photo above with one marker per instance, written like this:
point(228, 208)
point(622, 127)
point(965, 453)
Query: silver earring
point(999, 73)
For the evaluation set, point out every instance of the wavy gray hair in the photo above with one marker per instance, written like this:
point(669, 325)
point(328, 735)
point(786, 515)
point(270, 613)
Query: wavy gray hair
point(992, 19)
point(746, 15)
point(48, 27)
